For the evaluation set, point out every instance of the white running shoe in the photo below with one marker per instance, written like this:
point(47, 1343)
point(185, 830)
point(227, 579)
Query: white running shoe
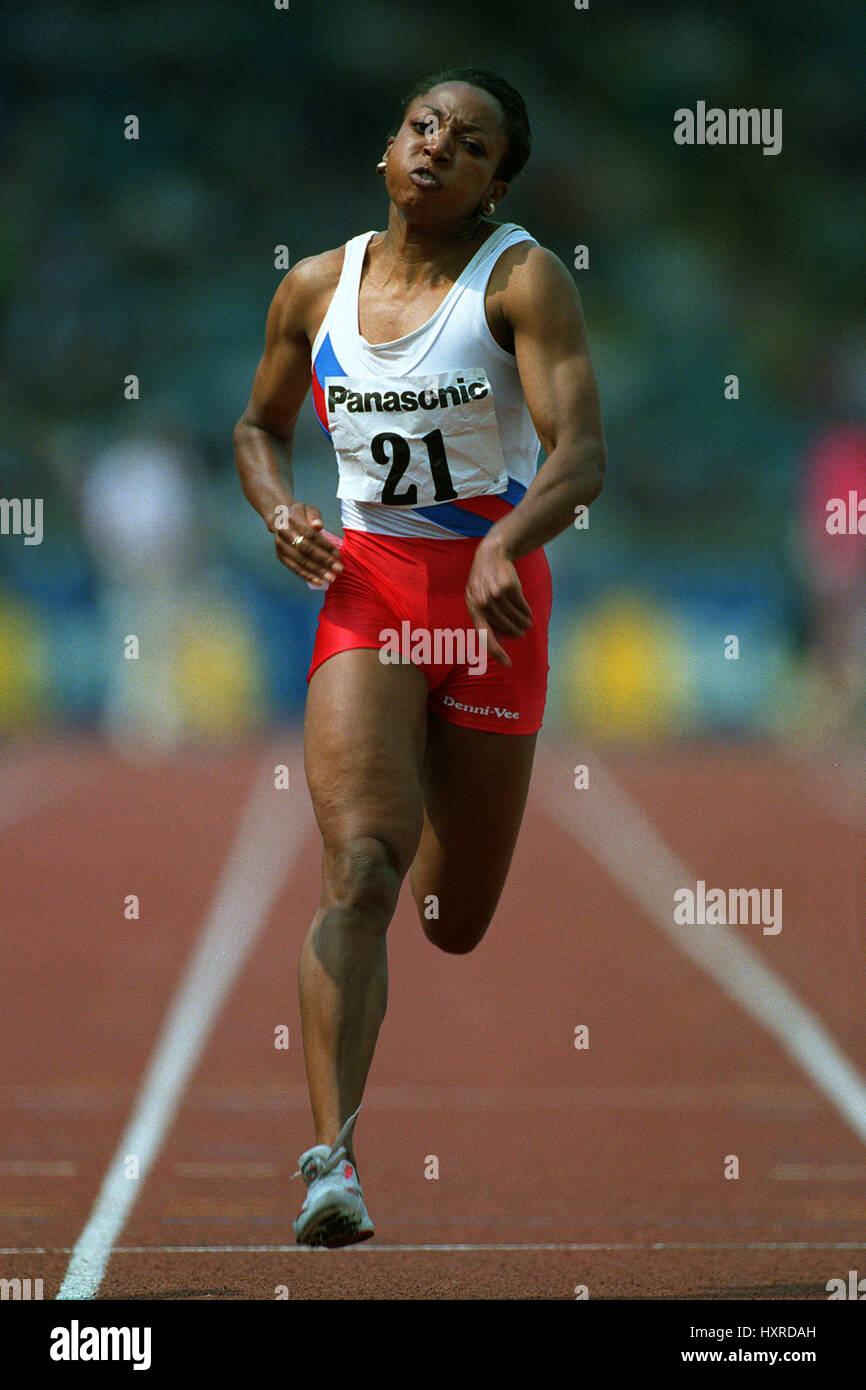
point(333, 1213)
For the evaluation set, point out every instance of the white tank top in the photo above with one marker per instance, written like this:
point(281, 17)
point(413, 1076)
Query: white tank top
point(432, 432)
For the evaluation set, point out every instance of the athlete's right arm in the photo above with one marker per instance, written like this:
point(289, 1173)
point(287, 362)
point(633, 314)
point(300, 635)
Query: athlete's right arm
point(264, 434)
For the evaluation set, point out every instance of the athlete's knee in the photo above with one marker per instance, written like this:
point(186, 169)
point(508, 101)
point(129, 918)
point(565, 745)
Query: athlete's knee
point(363, 877)
point(457, 933)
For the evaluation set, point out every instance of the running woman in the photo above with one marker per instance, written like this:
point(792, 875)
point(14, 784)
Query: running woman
point(441, 352)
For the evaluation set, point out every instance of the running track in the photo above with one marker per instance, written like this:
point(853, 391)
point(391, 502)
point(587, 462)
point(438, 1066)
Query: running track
point(558, 1167)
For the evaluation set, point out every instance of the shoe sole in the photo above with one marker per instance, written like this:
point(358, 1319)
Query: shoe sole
point(335, 1230)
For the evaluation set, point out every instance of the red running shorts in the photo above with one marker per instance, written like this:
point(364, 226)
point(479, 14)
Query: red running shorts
point(406, 597)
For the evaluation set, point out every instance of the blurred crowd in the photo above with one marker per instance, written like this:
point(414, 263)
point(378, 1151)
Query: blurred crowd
point(156, 258)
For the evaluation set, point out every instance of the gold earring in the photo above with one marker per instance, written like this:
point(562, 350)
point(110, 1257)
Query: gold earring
point(488, 208)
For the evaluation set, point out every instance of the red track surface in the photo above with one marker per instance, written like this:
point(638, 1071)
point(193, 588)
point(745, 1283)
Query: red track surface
point(618, 1149)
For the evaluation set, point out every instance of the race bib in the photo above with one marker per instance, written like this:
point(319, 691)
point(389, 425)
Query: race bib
point(413, 441)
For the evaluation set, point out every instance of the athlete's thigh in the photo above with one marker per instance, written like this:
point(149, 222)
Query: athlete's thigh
point(475, 788)
point(364, 739)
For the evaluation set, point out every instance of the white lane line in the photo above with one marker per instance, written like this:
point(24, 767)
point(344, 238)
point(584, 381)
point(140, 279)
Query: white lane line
point(796, 1097)
point(225, 1170)
point(818, 1172)
point(366, 1249)
point(605, 820)
point(270, 834)
point(37, 1168)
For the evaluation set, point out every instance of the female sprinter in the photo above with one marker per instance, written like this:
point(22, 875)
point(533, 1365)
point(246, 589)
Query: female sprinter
point(441, 351)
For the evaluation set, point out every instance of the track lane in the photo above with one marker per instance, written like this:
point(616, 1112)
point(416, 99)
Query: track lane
point(476, 1065)
point(618, 1145)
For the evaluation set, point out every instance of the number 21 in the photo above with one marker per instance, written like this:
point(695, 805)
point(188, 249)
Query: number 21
point(399, 460)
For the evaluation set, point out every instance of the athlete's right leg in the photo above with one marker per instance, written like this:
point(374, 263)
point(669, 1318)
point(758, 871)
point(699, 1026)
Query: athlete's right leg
point(364, 744)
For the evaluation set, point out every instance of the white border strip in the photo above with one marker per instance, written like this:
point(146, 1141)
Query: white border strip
point(271, 832)
point(606, 821)
point(367, 1249)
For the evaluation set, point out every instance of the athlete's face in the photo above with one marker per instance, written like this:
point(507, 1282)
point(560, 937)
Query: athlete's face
point(442, 162)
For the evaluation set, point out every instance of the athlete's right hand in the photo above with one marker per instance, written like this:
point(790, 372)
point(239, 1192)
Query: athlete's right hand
point(313, 557)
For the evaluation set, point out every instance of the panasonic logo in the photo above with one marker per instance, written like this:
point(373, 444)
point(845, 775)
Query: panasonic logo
point(389, 402)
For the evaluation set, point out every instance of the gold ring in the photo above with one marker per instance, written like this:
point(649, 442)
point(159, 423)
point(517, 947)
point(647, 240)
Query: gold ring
point(298, 539)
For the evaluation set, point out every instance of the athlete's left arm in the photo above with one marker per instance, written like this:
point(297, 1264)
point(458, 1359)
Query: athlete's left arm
point(543, 307)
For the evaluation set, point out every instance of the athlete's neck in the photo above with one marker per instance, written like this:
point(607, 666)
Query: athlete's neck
point(413, 255)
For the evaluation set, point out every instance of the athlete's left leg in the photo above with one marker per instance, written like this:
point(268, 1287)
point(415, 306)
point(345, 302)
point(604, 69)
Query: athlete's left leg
point(475, 788)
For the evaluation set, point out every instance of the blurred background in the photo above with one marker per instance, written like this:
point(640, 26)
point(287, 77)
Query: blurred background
point(259, 128)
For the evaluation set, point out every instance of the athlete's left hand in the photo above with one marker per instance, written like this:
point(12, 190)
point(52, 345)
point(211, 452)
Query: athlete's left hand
point(495, 599)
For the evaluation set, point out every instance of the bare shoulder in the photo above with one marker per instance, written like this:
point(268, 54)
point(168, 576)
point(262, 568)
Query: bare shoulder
point(304, 293)
point(526, 279)
point(527, 270)
point(321, 271)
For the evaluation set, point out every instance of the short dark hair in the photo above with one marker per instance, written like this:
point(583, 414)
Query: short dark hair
point(516, 118)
